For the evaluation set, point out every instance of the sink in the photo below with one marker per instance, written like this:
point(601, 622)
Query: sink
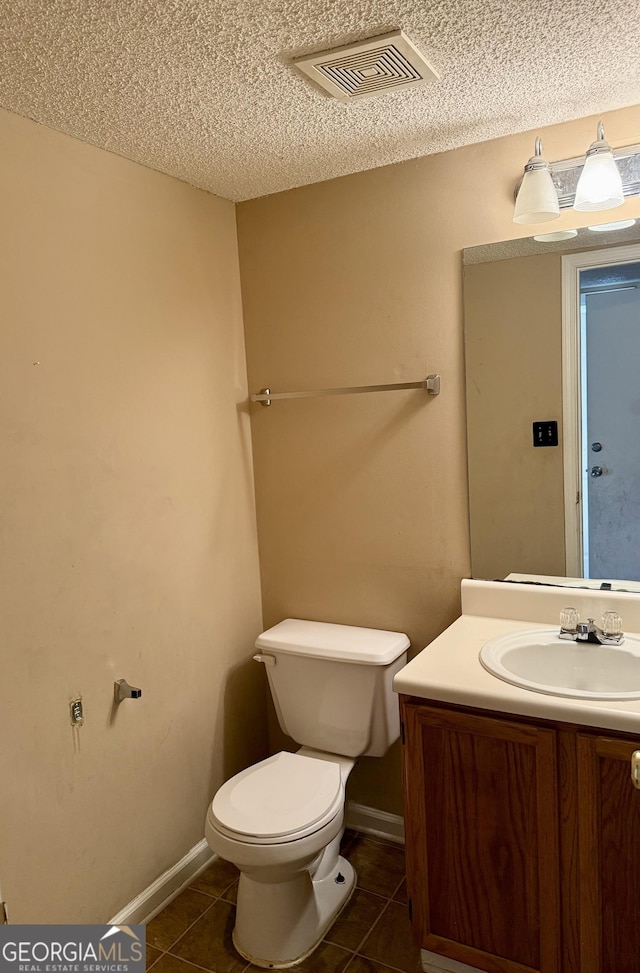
point(539, 660)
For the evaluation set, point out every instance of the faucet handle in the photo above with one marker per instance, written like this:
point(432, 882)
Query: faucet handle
point(569, 619)
point(611, 624)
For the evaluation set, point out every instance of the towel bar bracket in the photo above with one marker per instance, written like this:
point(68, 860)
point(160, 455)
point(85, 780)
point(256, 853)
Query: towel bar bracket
point(431, 384)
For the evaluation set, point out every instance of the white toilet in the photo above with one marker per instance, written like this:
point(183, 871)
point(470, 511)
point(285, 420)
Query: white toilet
point(281, 820)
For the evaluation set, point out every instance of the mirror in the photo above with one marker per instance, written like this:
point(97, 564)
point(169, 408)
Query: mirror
point(513, 306)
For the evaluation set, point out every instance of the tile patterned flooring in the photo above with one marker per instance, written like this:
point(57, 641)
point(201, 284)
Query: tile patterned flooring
point(372, 934)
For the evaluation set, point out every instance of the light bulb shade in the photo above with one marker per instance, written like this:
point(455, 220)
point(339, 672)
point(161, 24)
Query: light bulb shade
point(610, 227)
point(537, 200)
point(600, 185)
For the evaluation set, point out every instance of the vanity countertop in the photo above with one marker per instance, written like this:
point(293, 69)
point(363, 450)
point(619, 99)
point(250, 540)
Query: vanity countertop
point(448, 670)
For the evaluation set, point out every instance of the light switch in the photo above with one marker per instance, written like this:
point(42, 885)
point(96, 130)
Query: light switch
point(545, 433)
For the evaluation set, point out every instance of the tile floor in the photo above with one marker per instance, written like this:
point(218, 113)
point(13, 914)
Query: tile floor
point(372, 935)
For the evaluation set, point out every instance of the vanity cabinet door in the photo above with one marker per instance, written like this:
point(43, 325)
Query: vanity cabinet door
point(609, 855)
point(481, 825)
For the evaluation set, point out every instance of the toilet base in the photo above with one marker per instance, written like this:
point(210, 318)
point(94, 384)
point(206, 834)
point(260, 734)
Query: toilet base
point(289, 919)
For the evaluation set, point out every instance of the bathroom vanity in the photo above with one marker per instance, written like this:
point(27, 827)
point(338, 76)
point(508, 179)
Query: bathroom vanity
point(522, 820)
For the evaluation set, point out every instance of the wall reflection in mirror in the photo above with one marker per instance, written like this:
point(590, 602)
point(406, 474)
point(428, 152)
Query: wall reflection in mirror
point(552, 344)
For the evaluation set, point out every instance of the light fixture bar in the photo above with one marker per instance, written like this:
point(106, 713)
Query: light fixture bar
point(565, 174)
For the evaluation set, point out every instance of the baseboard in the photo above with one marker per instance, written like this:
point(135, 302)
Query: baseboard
point(381, 824)
point(166, 887)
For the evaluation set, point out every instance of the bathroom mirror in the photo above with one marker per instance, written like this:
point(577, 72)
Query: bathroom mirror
point(513, 312)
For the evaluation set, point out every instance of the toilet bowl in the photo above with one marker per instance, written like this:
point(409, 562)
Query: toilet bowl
point(281, 821)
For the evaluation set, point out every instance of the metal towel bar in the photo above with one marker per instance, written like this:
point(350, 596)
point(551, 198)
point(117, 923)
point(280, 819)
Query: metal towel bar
point(431, 384)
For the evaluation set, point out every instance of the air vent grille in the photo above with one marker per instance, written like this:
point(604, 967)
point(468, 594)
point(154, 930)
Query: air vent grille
point(369, 67)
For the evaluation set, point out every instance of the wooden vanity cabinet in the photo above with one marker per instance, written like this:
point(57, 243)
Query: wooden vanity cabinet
point(608, 807)
point(522, 842)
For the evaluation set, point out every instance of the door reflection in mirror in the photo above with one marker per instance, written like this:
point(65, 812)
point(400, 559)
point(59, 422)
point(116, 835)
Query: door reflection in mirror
point(610, 380)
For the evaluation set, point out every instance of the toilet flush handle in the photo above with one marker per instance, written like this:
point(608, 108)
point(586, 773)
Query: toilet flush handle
point(267, 660)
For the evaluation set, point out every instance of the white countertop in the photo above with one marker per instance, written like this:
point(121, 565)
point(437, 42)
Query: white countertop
point(449, 670)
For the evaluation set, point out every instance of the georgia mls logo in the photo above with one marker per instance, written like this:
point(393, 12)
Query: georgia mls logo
point(72, 949)
point(125, 929)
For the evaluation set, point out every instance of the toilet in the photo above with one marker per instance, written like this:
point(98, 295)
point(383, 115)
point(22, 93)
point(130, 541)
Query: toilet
point(281, 820)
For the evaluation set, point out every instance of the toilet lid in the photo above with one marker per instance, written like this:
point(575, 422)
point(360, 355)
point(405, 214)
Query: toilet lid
point(281, 795)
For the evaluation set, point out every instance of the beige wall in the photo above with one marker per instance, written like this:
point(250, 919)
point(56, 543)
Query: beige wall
point(362, 501)
point(513, 363)
point(128, 540)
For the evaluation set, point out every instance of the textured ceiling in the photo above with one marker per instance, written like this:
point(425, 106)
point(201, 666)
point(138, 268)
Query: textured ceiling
point(205, 89)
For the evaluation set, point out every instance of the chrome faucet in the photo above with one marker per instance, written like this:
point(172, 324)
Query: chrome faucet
point(609, 634)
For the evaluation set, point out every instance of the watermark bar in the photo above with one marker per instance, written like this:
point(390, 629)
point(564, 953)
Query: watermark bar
point(72, 949)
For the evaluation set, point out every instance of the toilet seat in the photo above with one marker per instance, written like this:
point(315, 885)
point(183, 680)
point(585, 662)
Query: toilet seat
point(283, 798)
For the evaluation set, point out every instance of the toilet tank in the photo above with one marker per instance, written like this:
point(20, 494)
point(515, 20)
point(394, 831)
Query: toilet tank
point(332, 684)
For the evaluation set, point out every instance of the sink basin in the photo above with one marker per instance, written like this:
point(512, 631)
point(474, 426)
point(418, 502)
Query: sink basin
point(540, 661)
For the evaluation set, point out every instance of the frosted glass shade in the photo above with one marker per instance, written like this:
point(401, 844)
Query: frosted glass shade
point(600, 185)
point(537, 200)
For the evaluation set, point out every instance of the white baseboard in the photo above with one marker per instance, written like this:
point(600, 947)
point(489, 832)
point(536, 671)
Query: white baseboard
point(166, 887)
point(381, 824)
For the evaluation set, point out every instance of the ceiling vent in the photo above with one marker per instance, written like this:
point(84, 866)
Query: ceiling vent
point(369, 67)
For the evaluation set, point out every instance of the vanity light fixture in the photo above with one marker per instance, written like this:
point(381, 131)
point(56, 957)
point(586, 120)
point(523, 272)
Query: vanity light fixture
point(608, 227)
point(537, 200)
point(555, 236)
point(600, 184)
point(598, 181)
